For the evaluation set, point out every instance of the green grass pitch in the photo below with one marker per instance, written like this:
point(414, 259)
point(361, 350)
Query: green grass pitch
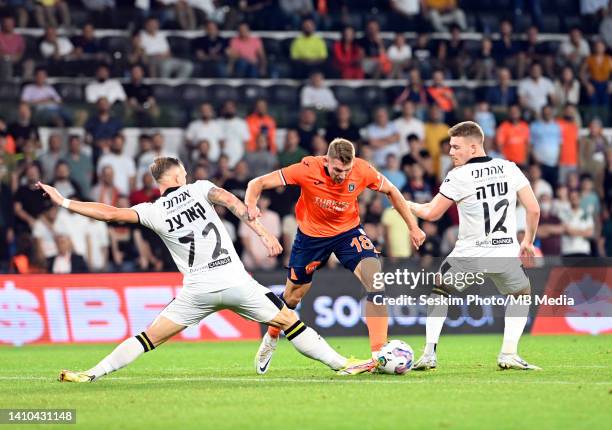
point(213, 386)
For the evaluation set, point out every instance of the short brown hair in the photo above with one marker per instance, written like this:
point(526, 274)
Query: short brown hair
point(467, 129)
point(161, 165)
point(341, 149)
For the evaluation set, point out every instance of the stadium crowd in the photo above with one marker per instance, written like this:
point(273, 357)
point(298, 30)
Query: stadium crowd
point(539, 97)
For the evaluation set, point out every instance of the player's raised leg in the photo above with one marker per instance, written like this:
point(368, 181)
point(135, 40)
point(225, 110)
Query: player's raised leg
point(291, 297)
point(127, 351)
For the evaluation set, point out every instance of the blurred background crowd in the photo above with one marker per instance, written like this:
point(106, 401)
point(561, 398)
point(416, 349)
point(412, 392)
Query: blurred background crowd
point(92, 91)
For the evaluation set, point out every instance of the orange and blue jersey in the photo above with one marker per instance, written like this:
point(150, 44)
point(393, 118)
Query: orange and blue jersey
point(328, 216)
point(326, 209)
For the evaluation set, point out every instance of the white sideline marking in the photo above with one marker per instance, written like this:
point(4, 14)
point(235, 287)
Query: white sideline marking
point(332, 380)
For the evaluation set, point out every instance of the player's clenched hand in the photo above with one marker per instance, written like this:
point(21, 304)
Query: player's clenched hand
point(253, 212)
point(527, 249)
point(418, 237)
point(50, 191)
point(272, 245)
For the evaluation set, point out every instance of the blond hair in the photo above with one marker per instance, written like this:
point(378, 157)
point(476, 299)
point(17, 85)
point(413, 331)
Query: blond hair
point(467, 129)
point(161, 165)
point(341, 149)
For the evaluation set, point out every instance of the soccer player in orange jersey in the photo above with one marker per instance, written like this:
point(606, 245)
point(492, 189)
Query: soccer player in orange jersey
point(327, 214)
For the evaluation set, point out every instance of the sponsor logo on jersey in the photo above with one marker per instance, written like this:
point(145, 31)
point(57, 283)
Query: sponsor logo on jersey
point(312, 266)
point(502, 241)
point(219, 263)
point(351, 188)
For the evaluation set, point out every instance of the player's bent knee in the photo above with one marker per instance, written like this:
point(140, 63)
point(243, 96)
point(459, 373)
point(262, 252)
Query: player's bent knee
point(366, 272)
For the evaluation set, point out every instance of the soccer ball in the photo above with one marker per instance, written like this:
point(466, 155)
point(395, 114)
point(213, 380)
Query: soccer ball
point(395, 358)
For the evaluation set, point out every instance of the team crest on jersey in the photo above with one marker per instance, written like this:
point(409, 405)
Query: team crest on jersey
point(351, 187)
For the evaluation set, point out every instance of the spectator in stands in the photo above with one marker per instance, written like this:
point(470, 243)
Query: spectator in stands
point(89, 48)
point(103, 126)
point(22, 128)
point(540, 185)
point(236, 133)
point(578, 229)
point(485, 118)
point(550, 228)
point(12, 48)
point(513, 137)
point(206, 127)
point(400, 55)
point(383, 137)
point(148, 193)
point(575, 49)
point(7, 219)
point(111, 89)
point(308, 51)
point(535, 51)
point(317, 95)
point(101, 12)
point(135, 52)
point(210, 50)
point(536, 91)
point(545, 136)
point(237, 185)
point(407, 125)
point(502, 95)
point(56, 48)
point(396, 233)
point(261, 161)
point(80, 165)
point(158, 54)
point(506, 49)
point(567, 88)
point(247, 57)
point(605, 29)
point(406, 16)
point(142, 107)
point(589, 200)
point(452, 54)
point(307, 128)
point(296, 11)
point(292, 151)
point(8, 164)
point(45, 100)
point(441, 13)
point(535, 11)
point(597, 72)
point(424, 53)
point(605, 241)
point(415, 92)
point(254, 256)
point(484, 65)
point(418, 185)
point(28, 204)
point(263, 13)
point(124, 168)
point(185, 15)
point(392, 172)
point(63, 181)
point(343, 127)
point(568, 158)
point(99, 241)
point(105, 191)
point(51, 156)
point(593, 148)
point(75, 226)
point(157, 150)
point(260, 122)
point(319, 146)
point(348, 55)
point(46, 12)
point(442, 95)
point(43, 233)
point(375, 62)
point(436, 130)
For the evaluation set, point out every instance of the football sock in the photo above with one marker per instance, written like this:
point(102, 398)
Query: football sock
point(126, 352)
point(377, 321)
point(514, 323)
point(274, 331)
point(436, 314)
point(309, 343)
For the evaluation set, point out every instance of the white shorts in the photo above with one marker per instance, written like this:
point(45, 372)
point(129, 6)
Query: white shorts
point(250, 300)
point(507, 274)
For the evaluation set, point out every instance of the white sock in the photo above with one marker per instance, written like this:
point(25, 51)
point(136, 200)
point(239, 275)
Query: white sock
point(514, 324)
point(309, 343)
point(436, 314)
point(126, 352)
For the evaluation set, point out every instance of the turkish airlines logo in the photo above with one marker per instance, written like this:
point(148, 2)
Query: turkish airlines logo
point(99, 309)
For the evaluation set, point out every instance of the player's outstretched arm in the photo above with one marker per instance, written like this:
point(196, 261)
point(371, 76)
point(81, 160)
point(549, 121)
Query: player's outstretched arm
point(98, 211)
point(532, 207)
point(254, 189)
point(224, 198)
point(433, 210)
point(397, 200)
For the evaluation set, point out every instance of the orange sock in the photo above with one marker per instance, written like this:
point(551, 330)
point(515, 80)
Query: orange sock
point(274, 331)
point(378, 324)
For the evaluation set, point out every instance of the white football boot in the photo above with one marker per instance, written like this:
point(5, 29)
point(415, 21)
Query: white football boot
point(426, 362)
point(513, 361)
point(264, 353)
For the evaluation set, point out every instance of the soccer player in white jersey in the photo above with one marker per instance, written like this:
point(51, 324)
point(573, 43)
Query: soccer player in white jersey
point(213, 275)
point(485, 191)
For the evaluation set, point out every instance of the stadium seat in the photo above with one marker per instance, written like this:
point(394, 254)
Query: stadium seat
point(165, 93)
point(10, 92)
point(465, 96)
point(249, 93)
point(221, 93)
point(551, 24)
point(346, 95)
point(193, 94)
point(284, 94)
point(180, 46)
point(70, 92)
point(371, 96)
point(114, 44)
point(488, 22)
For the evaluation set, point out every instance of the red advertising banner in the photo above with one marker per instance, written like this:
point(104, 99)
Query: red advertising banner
point(591, 289)
point(99, 308)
